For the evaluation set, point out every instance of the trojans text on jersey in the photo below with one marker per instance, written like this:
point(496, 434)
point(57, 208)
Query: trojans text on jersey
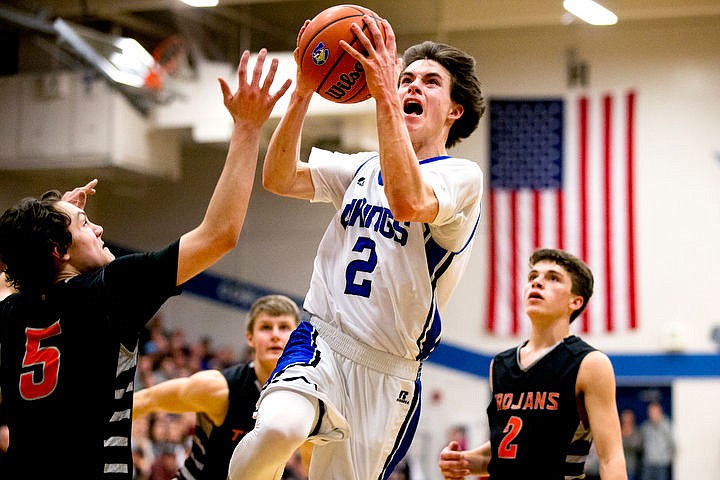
point(527, 401)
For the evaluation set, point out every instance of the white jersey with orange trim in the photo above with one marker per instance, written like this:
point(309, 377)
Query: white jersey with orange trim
point(382, 281)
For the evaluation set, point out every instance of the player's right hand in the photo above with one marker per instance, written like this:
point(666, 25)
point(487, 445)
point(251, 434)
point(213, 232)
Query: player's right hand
point(301, 87)
point(453, 464)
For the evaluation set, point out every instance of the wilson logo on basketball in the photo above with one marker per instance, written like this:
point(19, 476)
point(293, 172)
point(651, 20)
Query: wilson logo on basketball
point(320, 54)
point(345, 83)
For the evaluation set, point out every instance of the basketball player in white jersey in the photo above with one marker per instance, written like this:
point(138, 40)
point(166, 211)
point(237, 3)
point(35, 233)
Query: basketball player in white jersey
point(349, 379)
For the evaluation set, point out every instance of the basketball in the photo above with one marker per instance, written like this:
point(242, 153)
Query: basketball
point(333, 73)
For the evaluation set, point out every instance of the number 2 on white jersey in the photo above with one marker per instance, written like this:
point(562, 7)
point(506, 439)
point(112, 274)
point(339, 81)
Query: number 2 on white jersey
point(352, 286)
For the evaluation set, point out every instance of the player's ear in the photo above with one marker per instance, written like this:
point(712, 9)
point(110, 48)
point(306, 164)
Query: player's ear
point(576, 302)
point(249, 337)
point(456, 111)
point(58, 256)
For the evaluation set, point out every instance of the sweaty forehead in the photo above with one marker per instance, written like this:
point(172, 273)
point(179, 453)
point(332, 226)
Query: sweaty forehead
point(267, 318)
point(426, 66)
point(77, 215)
point(548, 266)
point(70, 209)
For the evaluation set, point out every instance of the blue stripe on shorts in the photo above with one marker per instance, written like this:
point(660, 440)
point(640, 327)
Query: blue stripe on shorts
point(301, 349)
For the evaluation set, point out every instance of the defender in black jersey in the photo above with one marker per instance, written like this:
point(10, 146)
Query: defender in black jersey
point(553, 395)
point(224, 401)
point(69, 337)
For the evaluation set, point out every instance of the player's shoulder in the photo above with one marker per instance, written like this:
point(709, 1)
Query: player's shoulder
point(447, 161)
point(506, 355)
point(453, 166)
point(577, 345)
point(321, 156)
point(596, 366)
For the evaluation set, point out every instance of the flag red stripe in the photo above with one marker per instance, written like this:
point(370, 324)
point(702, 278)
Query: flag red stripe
point(582, 187)
point(514, 320)
point(492, 271)
point(630, 141)
point(560, 205)
point(536, 219)
point(607, 205)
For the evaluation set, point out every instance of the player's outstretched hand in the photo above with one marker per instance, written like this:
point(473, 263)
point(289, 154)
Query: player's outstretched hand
point(453, 464)
point(252, 103)
point(78, 196)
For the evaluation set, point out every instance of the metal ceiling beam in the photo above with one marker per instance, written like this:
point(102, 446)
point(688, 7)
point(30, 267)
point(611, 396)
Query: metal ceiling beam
point(39, 23)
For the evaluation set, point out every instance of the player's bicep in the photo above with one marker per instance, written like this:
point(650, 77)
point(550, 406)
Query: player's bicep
point(198, 251)
point(207, 392)
point(596, 381)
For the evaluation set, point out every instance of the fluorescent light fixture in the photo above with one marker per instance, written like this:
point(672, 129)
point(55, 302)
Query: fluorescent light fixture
point(200, 3)
point(590, 11)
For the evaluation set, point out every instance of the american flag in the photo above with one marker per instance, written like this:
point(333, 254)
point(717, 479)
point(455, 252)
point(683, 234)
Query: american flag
point(561, 176)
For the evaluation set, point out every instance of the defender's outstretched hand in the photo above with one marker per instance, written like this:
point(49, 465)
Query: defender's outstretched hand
point(252, 103)
point(78, 196)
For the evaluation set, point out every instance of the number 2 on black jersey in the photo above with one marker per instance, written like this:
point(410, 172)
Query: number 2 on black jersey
point(368, 265)
point(48, 358)
point(507, 449)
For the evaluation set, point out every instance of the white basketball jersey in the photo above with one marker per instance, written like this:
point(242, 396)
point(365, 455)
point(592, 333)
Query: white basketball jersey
point(382, 281)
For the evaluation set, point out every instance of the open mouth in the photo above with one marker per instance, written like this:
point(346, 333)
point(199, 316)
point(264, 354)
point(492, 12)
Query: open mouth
point(412, 108)
point(535, 295)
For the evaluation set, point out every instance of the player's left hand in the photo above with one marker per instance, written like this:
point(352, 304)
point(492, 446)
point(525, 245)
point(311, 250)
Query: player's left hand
point(78, 196)
point(381, 61)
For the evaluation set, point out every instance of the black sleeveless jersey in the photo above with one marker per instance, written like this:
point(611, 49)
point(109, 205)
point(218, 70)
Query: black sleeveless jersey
point(213, 445)
point(67, 366)
point(535, 428)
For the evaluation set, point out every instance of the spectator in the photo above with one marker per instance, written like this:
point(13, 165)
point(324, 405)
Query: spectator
point(142, 449)
point(165, 464)
point(632, 443)
point(458, 433)
point(658, 444)
point(142, 466)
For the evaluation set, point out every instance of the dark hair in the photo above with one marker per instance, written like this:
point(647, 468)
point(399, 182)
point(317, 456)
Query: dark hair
point(465, 88)
point(29, 234)
point(580, 274)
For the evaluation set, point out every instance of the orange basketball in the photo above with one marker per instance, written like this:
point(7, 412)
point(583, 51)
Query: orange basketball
point(333, 73)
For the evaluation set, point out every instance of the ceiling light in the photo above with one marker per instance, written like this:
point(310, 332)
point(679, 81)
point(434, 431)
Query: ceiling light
point(200, 3)
point(590, 11)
